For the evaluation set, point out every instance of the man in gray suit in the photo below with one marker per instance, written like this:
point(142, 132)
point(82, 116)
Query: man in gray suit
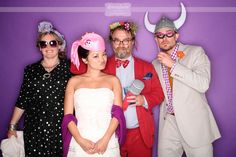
point(186, 120)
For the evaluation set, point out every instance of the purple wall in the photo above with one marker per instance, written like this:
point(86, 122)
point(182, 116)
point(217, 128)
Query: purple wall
point(210, 24)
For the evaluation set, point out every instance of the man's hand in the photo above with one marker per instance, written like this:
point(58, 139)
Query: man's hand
point(165, 59)
point(136, 100)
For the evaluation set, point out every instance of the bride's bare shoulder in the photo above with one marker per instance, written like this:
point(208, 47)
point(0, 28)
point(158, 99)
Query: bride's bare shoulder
point(76, 79)
point(111, 78)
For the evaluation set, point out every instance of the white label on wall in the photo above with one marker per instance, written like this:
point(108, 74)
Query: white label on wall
point(117, 9)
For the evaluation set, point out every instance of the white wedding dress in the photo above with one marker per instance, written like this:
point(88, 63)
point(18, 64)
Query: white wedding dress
point(93, 112)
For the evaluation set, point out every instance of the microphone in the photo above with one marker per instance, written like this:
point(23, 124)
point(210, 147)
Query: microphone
point(135, 89)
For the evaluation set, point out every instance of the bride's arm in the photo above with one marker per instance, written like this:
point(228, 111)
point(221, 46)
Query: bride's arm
point(101, 145)
point(87, 145)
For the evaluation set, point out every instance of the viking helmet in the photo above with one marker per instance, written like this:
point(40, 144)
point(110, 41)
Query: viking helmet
point(165, 22)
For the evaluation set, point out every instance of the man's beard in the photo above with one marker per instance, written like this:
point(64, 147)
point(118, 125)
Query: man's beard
point(121, 53)
point(165, 49)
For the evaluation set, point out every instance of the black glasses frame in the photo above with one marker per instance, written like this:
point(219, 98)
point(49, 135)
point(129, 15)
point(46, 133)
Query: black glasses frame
point(162, 36)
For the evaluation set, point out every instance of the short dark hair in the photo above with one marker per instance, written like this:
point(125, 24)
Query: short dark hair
point(83, 53)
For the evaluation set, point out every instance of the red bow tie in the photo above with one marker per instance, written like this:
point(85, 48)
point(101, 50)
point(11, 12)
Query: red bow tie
point(124, 63)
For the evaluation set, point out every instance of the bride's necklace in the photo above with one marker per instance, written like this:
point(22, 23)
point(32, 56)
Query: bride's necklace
point(48, 69)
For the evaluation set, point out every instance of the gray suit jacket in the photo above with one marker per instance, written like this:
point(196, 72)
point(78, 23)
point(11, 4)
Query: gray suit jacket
point(191, 79)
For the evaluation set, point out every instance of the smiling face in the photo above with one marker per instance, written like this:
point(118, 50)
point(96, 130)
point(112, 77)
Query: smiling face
point(122, 43)
point(49, 46)
point(166, 39)
point(96, 60)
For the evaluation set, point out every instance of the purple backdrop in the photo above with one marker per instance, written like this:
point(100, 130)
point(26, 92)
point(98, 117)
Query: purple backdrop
point(210, 24)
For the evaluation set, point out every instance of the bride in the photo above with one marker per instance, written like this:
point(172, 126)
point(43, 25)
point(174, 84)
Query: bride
point(93, 97)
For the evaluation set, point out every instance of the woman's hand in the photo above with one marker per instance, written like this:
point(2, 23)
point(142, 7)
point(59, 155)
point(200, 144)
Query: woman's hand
point(11, 133)
point(101, 145)
point(87, 145)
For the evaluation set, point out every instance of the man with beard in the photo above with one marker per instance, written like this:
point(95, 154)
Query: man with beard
point(186, 120)
point(139, 119)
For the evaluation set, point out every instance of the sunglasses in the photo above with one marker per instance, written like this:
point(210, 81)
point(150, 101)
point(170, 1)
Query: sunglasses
point(162, 35)
point(43, 44)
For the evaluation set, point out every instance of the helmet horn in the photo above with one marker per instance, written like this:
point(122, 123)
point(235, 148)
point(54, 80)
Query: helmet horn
point(180, 21)
point(150, 27)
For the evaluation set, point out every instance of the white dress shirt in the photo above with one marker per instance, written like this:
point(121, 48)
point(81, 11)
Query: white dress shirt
point(127, 76)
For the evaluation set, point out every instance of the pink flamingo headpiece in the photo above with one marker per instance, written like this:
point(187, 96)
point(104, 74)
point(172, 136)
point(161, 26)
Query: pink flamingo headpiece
point(89, 41)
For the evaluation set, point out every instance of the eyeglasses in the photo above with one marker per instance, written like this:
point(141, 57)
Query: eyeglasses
point(162, 35)
point(125, 41)
point(43, 44)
